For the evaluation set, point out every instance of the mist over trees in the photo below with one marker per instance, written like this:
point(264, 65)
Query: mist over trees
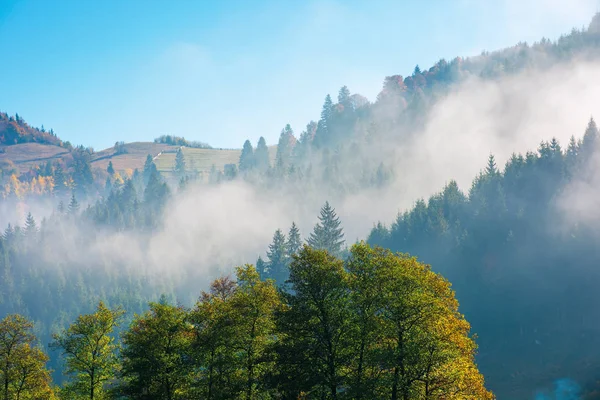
point(375, 326)
point(521, 262)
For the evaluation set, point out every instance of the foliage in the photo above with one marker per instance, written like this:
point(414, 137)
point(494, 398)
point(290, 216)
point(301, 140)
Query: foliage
point(90, 351)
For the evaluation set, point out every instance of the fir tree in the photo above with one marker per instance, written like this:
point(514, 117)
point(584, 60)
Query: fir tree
point(491, 168)
point(278, 258)
point(294, 242)
point(149, 168)
point(284, 149)
point(327, 234)
point(180, 169)
point(246, 162)
point(261, 155)
point(590, 140)
point(73, 207)
point(31, 228)
point(262, 268)
point(322, 136)
point(110, 169)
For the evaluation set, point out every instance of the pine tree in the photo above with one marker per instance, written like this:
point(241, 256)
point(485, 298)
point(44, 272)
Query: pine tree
point(327, 234)
point(110, 169)
point(246, 162)
point(61, 207)
point(294, 242)
point(31, 228)
point(344, 96)
point(73, 207)
point(9, 235)
point(322, 136)
point(262, 268)
point(149, 168)
point(590, 140)
point(285, 146)
point(278, 258)
point(491, 168)
point(261, 156)
point(60, 180)
point(179, 168)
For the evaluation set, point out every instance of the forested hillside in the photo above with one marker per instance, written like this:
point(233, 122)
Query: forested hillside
point(518, 248)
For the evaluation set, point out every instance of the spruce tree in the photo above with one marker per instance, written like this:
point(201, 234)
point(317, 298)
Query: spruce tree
point(590, 140)
point(262, 268)
point(328, 234)
point(149, 168)
point(294, 242)
point(284, 149)
point(246, 157)
point(322, 136)
point(278, 258)
point(31, 228)
point(73, 207)
point(261, 155)
point(180, 169)
point(110, 169)
point(491, 168)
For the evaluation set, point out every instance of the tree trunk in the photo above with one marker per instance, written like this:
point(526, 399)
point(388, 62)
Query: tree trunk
point(92, 385)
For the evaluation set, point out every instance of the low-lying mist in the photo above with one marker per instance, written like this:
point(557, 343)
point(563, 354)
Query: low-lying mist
point(209, 229)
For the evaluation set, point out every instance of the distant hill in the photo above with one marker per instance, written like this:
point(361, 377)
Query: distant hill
point(14, 130)
point(20, 158)
point(197, 159)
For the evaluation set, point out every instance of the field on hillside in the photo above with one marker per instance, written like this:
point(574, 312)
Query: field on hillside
point(27, 155)
point(24, 156)
point(134, 158)
point(202, 160)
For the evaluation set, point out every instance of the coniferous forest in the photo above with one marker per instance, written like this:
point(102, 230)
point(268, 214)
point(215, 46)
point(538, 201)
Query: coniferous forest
point(98, 300)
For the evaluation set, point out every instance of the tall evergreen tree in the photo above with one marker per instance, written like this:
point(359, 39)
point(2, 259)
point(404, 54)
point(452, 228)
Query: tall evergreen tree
point(73, 207)
point(31, 228)
point(110, 169)
point(278, 258)
point(491, 168)
point(285, 147)
point(247, 161)
point(149, 168)
point(323, 133)
point(261, 156)
point(180, 167)
point(294, 242)
point(327, 234)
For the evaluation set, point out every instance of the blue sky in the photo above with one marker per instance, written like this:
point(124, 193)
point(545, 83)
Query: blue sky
point(225, 71)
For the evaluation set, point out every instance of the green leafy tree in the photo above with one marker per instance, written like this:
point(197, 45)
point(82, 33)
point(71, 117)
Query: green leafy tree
point(328, 233)
point(90, 351)
point(156, 354)
point(23, 372)
point(214, 319)
point(316, 327)
point(255, 303)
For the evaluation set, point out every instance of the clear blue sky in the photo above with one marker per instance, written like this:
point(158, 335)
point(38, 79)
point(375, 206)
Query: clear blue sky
point(224, 71)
